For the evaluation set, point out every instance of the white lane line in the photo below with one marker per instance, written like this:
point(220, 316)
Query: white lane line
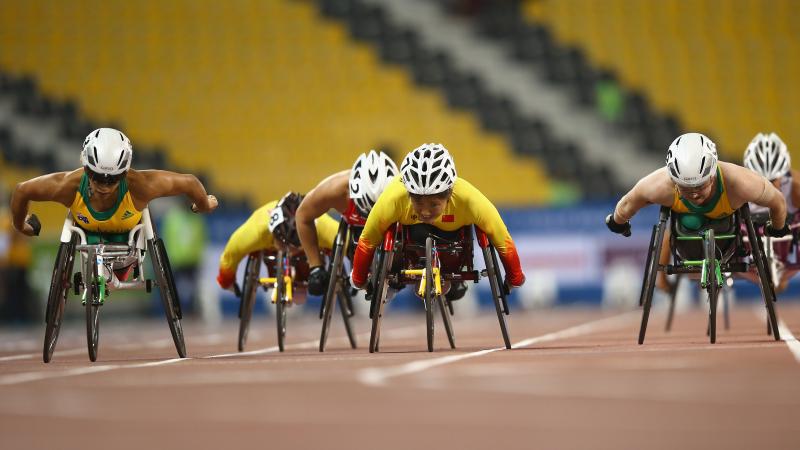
point(791, 341)
point(25, 377)
point(377, 376)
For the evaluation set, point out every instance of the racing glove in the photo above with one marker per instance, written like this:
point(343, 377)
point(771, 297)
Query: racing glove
point(318, 280)
point(619, 228)
point(33, 221)
point(777, 232)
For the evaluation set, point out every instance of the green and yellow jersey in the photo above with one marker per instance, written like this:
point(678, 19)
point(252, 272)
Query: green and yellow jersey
point(114, 223)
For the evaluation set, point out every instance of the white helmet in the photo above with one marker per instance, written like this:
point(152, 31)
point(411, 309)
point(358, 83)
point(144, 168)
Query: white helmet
point(107, 152)
point(767, 156)
point(428, 169)
point(371, 173)
point(691, 160)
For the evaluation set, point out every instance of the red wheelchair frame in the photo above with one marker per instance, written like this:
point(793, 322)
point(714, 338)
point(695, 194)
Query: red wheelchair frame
point(439, 259)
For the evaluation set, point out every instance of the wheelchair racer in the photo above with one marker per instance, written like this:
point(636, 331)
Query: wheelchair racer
point(429, 192)
point(701, 190)
point(351, 192)
point(105, 197)
point(768, 156)
point(270, 227)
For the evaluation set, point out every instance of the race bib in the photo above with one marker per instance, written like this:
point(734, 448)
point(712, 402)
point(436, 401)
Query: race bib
point(275, 218)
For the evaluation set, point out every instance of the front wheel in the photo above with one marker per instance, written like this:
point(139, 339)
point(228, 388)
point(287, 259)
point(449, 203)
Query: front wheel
point(249, 288)
point(169, 295)
point(92, 305)
point(280, 300)
point(379, 291)
point(57, 298)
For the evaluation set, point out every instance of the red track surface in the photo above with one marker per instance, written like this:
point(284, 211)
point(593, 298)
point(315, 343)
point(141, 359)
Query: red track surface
point(579, 380)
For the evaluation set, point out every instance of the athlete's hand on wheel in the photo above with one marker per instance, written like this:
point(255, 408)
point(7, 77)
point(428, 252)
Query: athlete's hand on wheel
point(780, 232)
point(32, 226)
point(619, 228)
point(212, 203)
point(317, 280)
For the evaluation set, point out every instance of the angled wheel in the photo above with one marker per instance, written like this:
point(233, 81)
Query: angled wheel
point(169, 295)
point(248, 300)
point(345, 306)
point(331, 294)
point(448, 325)
point(673, 293)
point(57, 298)
point(280, 300)
point(498, 290)
point(92, 305)
point(651, 270)
point(379, 291)
point(765, 280)
point(429, 288)
point(709, 249)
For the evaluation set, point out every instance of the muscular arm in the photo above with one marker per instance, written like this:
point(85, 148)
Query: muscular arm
point(796, 187)
point(654, 188)
point(148, 185)
point(332, 192)
point(748, 186)
point(57, 187)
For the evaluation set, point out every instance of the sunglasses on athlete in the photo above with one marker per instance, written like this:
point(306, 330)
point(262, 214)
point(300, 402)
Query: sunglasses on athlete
point(108, 180)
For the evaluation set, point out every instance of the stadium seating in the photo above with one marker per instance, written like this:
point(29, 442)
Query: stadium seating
point(725, 67)
point(263, 96)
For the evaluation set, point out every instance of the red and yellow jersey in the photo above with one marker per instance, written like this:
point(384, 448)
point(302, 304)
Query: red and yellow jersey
point(121, 218)
point(467, 206)
point(254, 235)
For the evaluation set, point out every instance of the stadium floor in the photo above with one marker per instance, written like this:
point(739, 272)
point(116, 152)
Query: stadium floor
point(576, 379)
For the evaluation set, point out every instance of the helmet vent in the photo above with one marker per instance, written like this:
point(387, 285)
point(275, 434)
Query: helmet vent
point(95, 153)
point(702, 164)
point(97, 134)
point(119, 160)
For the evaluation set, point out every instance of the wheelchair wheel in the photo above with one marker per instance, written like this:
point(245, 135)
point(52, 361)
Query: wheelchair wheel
point(765, 280)
point(92, 306)
point(651, 270)
point(448, 325)
point(379, 291)
point(248, 300)
point(345, 306)
point(498, 291)
point(169, 294)
point(57, 298)
point(710, 247)
point(280, 300)
point(429, 288)
point(331, 294)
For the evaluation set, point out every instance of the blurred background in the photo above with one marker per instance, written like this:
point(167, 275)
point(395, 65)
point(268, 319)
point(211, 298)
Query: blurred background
point(552, 108)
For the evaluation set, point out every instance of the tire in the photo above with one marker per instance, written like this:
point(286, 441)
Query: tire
point(332, 293)
point(169, 295)
point(57, 298)
point(248, 300)
point(92, 306)
point(280, 300)
point(379, 298)
point(429, 287)
point(651, 270)
point(448, 325)
point(672, 298)
point(712, 288)
point(498, 293)
point(344, 299)
point(767, 289)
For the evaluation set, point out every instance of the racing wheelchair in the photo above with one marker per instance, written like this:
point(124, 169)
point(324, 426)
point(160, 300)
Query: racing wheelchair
point(446, 256)
point(286, 272)
point(712, 252)
point(105, 267)
point(338, 285)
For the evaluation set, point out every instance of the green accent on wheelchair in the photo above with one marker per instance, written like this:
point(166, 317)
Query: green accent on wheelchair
point(721, 237)
point(693, 262)
point(718, 271)
point(101, 284)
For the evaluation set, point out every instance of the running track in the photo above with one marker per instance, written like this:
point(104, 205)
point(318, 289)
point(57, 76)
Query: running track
point(575, 379)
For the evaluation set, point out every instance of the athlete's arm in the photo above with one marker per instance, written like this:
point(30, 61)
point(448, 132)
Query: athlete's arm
point(57, 187)
point(332, 192)
point(385, 213)
point(657, 187)
point(796, 187)
point(147, 185)
point(748, 186)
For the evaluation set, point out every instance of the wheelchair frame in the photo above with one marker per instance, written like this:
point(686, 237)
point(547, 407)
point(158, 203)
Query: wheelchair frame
point(338, 289)
point(710, 267)
point(430, 275)
point(88, 282)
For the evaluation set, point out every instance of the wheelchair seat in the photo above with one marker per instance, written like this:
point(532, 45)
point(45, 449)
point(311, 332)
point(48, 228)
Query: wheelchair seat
point(692, 249)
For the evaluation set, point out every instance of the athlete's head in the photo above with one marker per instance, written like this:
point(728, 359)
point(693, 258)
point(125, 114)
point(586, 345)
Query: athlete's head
point(282, 220)
point(106, 156)
point(767, 155)
point(428, 173)
point(692, 165)
point(370, 174)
